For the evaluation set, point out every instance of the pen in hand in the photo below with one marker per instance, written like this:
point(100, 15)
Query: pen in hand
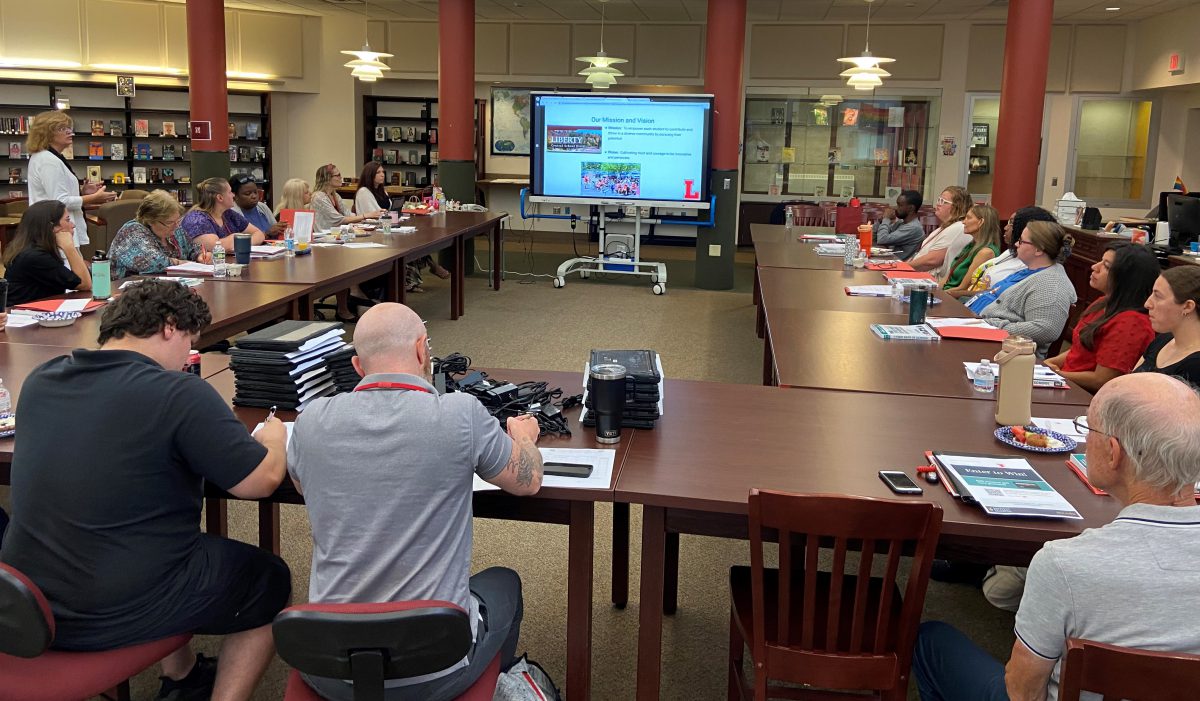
point(271, 413)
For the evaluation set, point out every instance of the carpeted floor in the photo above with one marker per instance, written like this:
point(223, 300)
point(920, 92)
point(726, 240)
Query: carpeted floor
point(701, 335)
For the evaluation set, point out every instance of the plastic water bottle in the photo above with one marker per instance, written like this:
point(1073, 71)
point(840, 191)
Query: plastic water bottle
point(289, 243)
point(219, 267)
point(984, 378)
point(789, 219)
point(5, 399)
point(851, 251)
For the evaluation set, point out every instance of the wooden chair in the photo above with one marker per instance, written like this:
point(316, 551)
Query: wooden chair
point(807, 215)
point(929, 222)
point(1125, 673)
point(830, 630)
point(1068, 331)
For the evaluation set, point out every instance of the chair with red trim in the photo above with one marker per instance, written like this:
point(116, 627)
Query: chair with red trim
point(31, 672)
point(371, 643)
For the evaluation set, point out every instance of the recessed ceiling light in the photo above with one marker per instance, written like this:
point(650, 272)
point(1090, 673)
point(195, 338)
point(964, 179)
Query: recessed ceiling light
point(1111, 9)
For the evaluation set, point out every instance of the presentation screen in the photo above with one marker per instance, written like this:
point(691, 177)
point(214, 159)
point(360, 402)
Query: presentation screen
point(616, 147)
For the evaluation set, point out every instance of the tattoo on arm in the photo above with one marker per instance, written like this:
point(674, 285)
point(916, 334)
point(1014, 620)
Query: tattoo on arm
point(526, 461)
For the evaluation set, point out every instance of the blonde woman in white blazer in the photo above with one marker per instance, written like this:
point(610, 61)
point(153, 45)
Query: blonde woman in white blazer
point(51, 177)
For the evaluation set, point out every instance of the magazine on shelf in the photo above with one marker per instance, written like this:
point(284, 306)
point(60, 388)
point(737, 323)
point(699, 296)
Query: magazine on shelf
point(1005, 486)
point(141, 127)
point(380, 133)
point(96, 150)
point(116, 127)
point(168, 152)
point(97, 127)
point(14, 150)
point(117, 151)
point(168, 129)
point(396, 134)
point(142, 152)
point(14, 176)
point(168, 175)
point(139, 175)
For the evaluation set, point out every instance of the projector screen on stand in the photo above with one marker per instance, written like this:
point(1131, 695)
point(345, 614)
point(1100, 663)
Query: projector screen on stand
point(620, 148)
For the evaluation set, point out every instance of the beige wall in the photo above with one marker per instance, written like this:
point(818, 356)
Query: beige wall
point(1156, 38)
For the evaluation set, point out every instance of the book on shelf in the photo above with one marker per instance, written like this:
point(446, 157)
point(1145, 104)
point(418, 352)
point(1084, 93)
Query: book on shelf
point(139, 175)
point(97, 127)
point(142, 152)
point(141, 127)
point(233, 153)
point(252, 130)
point(154, 175)
point(395, 178)
point(377, 155)
point(93, 174)
point(260, 153)
point(14, 176)
point(96, 150)
point(117, 151)
point(433, 135)
point(168, 129)
point(380, 133)
point(391, 157)
point(15, 125)
point(243, 153)
point(168, 152)
point(118, 178)
point(168, 175)
point(116, 127)
point(396, 134)
point(233, 132)
point(185, 179)
point(410, 134)
point(413, 158)
point(14, 150)
point(69, 152)
point(433, 157)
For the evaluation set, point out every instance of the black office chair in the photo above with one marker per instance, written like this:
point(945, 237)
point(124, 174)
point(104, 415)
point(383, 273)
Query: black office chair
point(371, 643)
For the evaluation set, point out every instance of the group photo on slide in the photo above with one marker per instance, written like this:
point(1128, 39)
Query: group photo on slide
point(616, 179)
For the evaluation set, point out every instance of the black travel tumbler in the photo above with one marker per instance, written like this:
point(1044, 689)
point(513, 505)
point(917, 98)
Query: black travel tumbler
point(608, 401)
point(918, 302)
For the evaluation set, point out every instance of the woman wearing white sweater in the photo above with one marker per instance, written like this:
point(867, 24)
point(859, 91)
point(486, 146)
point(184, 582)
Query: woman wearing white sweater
point(50, 175)
point(939, 249)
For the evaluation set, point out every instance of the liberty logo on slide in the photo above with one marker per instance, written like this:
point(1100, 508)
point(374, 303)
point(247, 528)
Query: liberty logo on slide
point(573, 139)
point(688, 192)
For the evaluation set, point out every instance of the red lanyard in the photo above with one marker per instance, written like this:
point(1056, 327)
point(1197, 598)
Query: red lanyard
point(390, 385)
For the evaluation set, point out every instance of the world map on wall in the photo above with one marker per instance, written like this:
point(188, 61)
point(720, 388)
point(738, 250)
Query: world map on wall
point(510, 121)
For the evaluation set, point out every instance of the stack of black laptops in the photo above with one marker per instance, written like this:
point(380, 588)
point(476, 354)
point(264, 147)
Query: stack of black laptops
point(285, 365)
point(643, 386)
point(345, 377)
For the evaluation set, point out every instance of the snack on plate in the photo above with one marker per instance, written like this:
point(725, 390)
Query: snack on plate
point(8, 423)
point(1033, 437)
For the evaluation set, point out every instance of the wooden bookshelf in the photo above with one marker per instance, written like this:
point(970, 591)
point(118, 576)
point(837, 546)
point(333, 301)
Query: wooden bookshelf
point(409, 144)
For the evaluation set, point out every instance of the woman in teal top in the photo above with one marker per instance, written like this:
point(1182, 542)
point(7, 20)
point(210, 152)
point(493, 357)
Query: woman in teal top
point(983, 224)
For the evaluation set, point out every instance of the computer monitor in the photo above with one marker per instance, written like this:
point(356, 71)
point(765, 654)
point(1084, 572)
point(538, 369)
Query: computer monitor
point(1183, 219)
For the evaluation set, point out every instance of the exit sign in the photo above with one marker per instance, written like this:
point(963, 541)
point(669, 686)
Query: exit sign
point(1175, 63)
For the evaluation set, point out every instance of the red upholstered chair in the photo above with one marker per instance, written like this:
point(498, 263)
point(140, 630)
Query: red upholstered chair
point(1125, 673)
point(828, 629)
point(371, 643)
point(31, 672)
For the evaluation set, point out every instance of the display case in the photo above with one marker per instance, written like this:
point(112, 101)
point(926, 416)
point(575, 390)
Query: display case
point(832, 147)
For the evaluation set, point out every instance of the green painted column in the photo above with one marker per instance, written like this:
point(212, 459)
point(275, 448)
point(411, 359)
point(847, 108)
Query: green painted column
point(208, 164)
point(715, 272)
point(457, 179)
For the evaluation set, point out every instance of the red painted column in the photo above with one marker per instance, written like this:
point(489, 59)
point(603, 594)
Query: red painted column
point(456, 80)
point(207, 90)
point(1022, 99)
point(725, 46)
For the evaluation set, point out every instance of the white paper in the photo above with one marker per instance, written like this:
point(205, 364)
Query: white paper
point(298, 356)
point(314, 343)
point(325, 244)
point(1064, 426)
point(302, 226)
point(16, 321)
point(289, 425)
point(363, 244)
point(869, 290)
point(1042, 375)
point(73, 305)
point(266, 251)
point(943, 322)
point(187, 281)
point(191, 267)
point(601, 460)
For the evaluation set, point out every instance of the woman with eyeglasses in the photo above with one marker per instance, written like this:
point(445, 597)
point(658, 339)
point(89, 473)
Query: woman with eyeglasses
point(982, 224)
point(994, 270)
point(1172, 305)
point(327, 203)
point(940, 248)
point(154, 241)
point(51, 176)
point(1036, 301)
point(1113, 331)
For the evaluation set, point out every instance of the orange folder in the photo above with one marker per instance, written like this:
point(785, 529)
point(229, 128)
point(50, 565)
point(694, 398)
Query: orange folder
point(972, 333)
point(908, 275)
point(51, 305)
point(898, 266)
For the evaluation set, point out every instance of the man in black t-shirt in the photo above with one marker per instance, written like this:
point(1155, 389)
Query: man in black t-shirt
point(107, 477)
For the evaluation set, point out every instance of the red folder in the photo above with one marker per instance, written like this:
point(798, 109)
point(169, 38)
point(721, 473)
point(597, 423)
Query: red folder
point(51, 305)
point(288, 216)
point(907, 275)
point(973, 333)
point(1086, 482)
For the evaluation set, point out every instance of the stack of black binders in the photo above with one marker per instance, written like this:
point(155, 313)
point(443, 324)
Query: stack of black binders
point(643, 386)
point(285, 365)
point(345, 377)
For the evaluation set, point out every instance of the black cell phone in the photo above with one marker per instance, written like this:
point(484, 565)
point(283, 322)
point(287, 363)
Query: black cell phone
point(899, 482)
point(567, 469)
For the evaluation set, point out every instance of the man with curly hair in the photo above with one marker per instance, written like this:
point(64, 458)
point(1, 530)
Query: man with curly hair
point(106, 506)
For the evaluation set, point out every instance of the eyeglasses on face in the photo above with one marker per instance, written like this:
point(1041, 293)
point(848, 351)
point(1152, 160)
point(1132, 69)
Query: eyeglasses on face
point(943, 200)
point(1081, 425)
point(1022, 242)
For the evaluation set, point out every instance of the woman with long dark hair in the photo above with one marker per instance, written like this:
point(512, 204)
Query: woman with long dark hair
point(1115, 330)
point(371, 196)
point(34, 259)
point(1173, 314)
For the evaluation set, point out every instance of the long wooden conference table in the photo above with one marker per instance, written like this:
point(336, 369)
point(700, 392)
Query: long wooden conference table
point(830, 433)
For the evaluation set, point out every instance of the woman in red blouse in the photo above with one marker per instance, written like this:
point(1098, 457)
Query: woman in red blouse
point(1113, 331)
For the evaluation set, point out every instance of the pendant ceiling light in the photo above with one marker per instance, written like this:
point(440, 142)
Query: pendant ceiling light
point(366, 64)
point(865, 74)
point(600, 73)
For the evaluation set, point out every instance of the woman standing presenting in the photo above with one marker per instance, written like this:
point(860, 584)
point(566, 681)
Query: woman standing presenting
point(51, 177)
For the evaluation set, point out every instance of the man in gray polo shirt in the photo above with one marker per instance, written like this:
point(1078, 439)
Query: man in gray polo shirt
point(387, 474)
point(900, 227)
point(1131, 583)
